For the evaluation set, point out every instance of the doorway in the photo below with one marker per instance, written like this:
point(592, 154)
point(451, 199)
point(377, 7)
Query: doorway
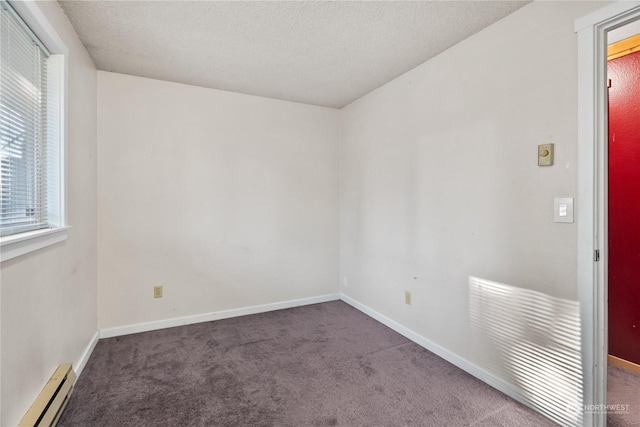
point(623, 224)
point(592, 31)
point(623, 72)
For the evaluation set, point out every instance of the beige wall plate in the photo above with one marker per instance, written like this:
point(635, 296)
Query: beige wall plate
point(545, 154)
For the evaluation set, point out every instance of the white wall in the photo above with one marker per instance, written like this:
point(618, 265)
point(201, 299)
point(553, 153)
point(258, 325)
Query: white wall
point(228, 200)
point(439, 176)
point(48, 297)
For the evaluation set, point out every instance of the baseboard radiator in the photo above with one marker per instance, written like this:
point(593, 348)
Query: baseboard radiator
point(48, 406)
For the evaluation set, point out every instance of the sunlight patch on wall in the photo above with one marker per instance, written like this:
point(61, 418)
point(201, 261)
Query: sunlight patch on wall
point(538, 338)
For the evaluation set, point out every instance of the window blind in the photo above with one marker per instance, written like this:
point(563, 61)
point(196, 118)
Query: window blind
point(23, 127)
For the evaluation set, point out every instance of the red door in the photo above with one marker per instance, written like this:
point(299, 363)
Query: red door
point(624, 207)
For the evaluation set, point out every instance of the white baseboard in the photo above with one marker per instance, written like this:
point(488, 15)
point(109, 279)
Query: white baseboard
point(208, 317)
point(81, 363)
point(484, 376)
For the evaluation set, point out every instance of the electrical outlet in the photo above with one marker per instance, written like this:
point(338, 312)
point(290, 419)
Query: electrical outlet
point(407, 297)
point(157, 291)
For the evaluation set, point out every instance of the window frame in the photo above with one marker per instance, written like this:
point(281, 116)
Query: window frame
point(18, 244)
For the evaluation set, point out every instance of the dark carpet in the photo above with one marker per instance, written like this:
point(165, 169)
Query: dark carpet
point(318, 365)
point(623, 389)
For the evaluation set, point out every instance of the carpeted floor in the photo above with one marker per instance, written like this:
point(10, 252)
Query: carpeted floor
point(623, 388)
point(319, 365)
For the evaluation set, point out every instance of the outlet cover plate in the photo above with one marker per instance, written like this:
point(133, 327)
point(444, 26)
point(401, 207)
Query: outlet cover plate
point(157, 291)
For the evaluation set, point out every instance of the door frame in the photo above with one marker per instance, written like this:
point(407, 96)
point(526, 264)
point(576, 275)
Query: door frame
point(592, 195)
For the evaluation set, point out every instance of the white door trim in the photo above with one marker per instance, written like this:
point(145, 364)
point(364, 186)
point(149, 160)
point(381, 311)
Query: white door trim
point(592, 195)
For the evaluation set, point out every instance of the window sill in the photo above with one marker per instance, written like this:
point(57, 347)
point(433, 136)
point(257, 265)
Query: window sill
point(24, 243)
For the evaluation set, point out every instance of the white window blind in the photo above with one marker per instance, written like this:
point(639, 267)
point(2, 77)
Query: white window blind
point(29, 193)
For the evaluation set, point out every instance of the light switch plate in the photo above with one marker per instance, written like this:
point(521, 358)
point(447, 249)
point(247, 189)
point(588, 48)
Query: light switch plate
point(545, 154)
point(563, 209)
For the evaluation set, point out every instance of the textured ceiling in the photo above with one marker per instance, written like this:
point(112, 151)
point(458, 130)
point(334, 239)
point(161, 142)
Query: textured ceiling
point(326, 53)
